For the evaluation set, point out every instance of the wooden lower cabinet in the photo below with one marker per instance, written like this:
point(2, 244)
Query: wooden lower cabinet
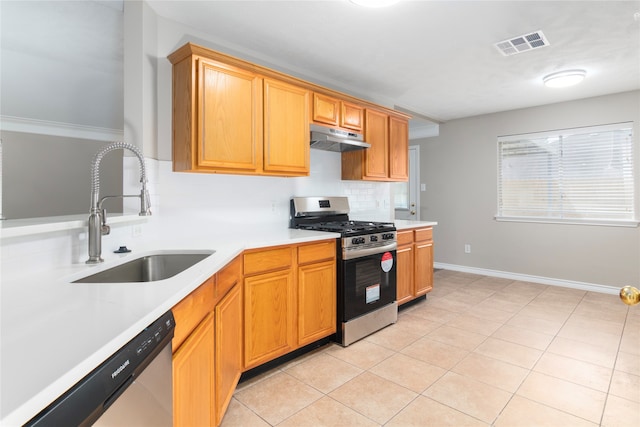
point(289, 299)
point(193, 386)
point(207, 349)
point(316, 301)
point(260, 306)
point(424, 267)
point(404, 272)
point(268, 317)
point(414, 263)
point(228, 349)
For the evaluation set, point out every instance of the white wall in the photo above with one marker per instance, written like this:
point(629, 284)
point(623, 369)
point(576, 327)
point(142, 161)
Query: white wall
point(61, 100)
point(460, 169)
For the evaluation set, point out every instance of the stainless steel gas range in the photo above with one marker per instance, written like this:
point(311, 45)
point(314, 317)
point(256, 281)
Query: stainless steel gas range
point(366, 264)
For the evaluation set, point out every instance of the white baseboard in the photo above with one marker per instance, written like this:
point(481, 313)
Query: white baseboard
point(592, 287)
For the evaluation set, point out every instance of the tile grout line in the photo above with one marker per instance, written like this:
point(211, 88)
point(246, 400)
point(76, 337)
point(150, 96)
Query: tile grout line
point(613, 369)
point(543, 352)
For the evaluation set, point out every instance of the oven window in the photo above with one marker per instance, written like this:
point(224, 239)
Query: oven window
point(367, 276)
point(366, 285)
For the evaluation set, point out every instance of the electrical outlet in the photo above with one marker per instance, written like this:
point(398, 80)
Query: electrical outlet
point(467, 248)
point(423, 187)
point(136, 230)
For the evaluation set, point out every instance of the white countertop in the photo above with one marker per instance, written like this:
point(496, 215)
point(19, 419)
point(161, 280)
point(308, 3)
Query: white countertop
point(54, 332)
point(402, 224)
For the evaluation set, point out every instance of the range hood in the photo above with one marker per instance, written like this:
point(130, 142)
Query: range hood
point(329, 139)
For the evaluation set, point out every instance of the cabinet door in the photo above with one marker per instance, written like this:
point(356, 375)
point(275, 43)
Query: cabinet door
point(325, 109)
point(424, 267)
point(286, 129)
point(268, 317)
point(193, 388)
point(352, 116)
point(229, 119)
point(404, 273)
point(316, 301)
point(398, 149)
point(376, 134)
point(228, 354)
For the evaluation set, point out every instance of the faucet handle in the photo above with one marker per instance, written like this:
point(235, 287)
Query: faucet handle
point(104, 228)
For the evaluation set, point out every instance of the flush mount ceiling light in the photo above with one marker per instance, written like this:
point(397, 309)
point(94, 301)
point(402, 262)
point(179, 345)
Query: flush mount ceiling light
point(374, 3)
point(564, 78)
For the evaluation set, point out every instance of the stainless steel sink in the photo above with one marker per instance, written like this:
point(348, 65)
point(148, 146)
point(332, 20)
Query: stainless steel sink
point(148, 268)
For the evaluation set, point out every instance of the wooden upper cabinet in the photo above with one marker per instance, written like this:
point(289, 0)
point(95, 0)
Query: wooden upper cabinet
point(372, 163)
point(325, 109)
point(387, 158)
point(229, 120)
point(229, 117)
point(286, 129)
point(352, 116)
point(232, 116)
point(376, 134)
point(334, 112)
point(398, 149)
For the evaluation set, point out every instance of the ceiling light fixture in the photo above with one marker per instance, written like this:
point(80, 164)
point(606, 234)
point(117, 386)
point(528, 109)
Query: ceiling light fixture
point(374, 3)
point(564, 78)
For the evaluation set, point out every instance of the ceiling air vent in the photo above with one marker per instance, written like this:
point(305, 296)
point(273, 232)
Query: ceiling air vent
point(522, 43)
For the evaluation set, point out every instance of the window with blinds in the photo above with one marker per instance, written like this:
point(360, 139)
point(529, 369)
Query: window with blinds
point(574, 175)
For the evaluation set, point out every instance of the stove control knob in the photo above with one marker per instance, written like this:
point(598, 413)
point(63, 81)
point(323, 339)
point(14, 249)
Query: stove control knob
point(387, 236)
point(357, 240)
point(374, 238)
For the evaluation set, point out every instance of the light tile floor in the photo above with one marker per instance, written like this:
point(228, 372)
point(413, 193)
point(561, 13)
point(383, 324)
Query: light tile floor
point(481, 351)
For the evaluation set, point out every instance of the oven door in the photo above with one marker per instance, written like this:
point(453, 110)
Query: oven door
point(366, 284)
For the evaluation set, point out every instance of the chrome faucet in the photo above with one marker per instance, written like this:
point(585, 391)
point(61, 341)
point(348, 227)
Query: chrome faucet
point(98, 215)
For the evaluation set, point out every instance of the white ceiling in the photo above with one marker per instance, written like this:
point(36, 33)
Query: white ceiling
point(435, 58)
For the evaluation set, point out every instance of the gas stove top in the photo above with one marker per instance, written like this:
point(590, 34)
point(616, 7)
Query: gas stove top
point(350, 228)
point(331, 214)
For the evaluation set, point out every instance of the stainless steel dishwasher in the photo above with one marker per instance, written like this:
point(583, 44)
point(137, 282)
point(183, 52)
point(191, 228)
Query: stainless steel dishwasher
point(131, 388)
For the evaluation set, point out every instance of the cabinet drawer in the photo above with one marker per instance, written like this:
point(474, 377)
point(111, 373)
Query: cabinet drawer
point(404, 237)
point(191, 310)
point(269, 260)
point(228, 276)
point(316, 252)
point(424, 234)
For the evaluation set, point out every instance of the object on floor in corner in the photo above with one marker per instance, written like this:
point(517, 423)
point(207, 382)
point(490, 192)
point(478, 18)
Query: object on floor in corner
point(630, 295)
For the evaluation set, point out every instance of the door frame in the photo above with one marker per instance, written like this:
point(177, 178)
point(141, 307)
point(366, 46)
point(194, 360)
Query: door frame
point(414, 186)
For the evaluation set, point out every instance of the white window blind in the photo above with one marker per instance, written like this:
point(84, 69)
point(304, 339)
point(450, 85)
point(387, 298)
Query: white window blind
point(573, 175)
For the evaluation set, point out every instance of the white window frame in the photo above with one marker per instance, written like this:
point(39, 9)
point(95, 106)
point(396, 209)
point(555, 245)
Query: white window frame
point(557, 212)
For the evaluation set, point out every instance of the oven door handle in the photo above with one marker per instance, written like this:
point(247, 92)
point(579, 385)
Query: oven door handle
point(363, 252)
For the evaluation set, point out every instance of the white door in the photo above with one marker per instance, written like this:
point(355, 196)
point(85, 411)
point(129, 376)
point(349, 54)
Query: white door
point(406, 195)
